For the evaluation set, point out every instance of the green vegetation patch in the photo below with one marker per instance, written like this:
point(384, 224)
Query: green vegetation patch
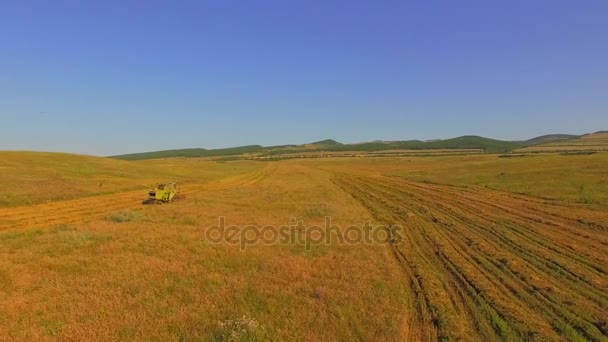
point(125, 216)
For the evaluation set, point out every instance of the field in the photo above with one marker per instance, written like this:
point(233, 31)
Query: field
point(32, 178)
point(478, 248)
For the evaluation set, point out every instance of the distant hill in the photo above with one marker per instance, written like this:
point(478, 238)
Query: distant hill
point(466, 142)
point(187, 152)
point(591, 142)
point(329, 142)
point(191, 152)
point(551, 138)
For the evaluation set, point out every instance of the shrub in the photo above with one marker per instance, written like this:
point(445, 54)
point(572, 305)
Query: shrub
point(241, 329)
point(123, 216)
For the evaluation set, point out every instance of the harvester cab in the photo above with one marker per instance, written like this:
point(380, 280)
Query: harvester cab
point(162, 193)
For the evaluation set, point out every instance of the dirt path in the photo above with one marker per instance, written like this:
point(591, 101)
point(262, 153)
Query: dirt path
point(492, 264)
point(78, 210)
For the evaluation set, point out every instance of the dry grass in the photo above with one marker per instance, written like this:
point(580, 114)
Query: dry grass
point(492, 265)
point(574, 178)
point(477, 261)
point(155, 277)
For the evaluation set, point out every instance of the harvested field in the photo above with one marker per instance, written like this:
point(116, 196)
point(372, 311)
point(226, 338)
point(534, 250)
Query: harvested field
point(489, 249)
point(78, 210)
point(489, 265)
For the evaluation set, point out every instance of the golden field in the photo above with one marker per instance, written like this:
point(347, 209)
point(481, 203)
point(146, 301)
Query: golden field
point(488, 249)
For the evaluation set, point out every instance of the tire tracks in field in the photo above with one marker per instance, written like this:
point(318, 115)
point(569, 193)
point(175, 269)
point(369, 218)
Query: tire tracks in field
point(543, 264)
point(491, 264)
point(78, 210)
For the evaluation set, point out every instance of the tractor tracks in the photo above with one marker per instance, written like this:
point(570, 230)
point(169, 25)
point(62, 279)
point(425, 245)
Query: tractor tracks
point(488, 265)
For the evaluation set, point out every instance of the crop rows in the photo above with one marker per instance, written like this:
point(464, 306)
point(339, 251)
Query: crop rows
point(490, 265)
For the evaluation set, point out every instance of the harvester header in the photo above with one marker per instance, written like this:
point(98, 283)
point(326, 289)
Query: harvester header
point(162, 193)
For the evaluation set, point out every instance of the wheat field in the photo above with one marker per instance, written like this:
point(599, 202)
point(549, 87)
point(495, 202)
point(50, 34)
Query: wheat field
point(484, 248)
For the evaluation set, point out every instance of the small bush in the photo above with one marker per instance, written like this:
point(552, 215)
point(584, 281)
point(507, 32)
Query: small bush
point(241, 329)
point(123, 216)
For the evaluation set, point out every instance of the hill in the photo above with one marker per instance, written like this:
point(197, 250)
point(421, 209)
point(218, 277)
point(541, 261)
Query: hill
point(187, 152)
point(329, 145)
point(191, 152)
point(551, 138)
point(326, 142)
point(585, 143)
point(464, 143)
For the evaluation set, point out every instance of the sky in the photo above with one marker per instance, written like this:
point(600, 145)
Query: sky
point(112, 77)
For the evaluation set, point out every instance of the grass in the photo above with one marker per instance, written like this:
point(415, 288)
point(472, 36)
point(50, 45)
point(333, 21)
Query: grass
point(124, 216)
point(158, 278)
point(478, 260)
point(452, 253)
point(240, 329)
point(570, 178)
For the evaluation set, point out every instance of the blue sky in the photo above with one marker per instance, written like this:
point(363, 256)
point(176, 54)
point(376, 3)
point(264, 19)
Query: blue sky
point(112, 77)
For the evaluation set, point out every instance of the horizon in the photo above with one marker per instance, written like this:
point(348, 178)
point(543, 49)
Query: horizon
point(116, 78)
point(290, 144)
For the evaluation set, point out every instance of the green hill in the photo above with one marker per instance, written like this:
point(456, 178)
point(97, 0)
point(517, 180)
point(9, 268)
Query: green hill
point(591, 142)
point(329, 145)
point(191, 152)
point(551, 138)
point(187, 152)
point(464, 142)
point(327, 142)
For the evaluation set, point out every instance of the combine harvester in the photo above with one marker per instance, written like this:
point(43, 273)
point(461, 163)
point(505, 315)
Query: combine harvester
point(162, 193)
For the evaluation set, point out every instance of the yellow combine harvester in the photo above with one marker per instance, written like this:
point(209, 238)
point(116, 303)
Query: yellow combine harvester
point(162, 193)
